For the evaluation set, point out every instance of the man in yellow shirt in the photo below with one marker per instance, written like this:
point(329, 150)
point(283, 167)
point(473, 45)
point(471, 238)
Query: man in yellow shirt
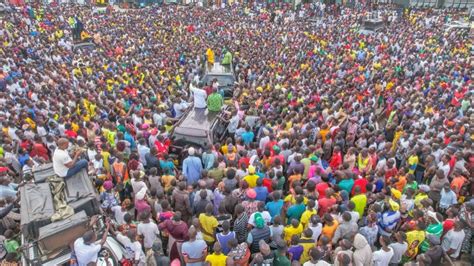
point(217, 258)
point(360, 201)
point(310, 211)
point(307, 242)
point(295, 228)
point(251, 178)
point(208, 224)
point(414, 239)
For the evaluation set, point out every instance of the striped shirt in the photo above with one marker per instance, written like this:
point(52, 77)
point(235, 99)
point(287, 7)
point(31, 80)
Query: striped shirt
point(388, 220)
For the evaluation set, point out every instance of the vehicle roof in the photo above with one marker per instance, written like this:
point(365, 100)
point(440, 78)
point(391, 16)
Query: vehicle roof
point(216, 69)
point(197, 120)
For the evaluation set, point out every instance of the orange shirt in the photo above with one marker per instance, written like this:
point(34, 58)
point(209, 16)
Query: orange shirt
point(329, 230)
point(324, 133)
point(457, 183)
point(294, 178)
point(400, 184)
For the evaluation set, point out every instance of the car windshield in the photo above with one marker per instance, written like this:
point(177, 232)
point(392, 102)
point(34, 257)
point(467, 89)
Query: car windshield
point(182, 140)
point(224, 80)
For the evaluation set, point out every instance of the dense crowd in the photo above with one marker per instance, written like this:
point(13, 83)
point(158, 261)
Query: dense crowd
point(343, 148)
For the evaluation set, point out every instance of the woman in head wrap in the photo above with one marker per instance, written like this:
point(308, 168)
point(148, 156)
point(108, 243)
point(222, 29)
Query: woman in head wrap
point(177, 231)
point(141, 204)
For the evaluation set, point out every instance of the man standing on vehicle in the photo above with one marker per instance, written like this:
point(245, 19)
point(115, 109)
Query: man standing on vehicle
point(199, 96)
point(215, 101)
point(86, 249)
point(227, 61)
point(63, 165)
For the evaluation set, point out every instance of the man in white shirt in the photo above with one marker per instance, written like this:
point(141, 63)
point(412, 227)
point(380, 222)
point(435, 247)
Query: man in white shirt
point(315, 258)
point(142, 150)
point(385, 254)
point(132, 246)
point(63, 165)
point(148, 229)
point(86, 249)
point(199, 96)
point(452, 241)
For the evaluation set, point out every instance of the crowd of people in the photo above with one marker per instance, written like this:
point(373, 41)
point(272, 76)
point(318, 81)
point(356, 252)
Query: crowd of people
point(343, 148)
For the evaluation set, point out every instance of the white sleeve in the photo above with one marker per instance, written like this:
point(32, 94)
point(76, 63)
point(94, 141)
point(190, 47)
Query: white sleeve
point(456, 242)
point(455, 200)
point(137, 248)
point(139, 232)
point(122, 239)
point(375, 256)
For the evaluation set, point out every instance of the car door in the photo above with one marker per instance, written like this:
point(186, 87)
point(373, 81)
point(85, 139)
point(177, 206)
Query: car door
point(219, 131)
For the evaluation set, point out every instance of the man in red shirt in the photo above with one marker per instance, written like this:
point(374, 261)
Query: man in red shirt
point(390, 170)
point(360, 182)
point(38, 149)
point(321, 187)
point(244, 159)
point(336, 159)
point(69, 132)
point(327, 202)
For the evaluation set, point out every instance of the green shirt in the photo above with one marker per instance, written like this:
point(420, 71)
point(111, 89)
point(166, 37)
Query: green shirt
point(227, 59)
point(413, 185)
point(217, 174)
point(433, 229)
point(11, 246)
point(214, 102)
point(281, 260)
point(281, 183)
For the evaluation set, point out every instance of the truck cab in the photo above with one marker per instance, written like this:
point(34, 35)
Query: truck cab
point(224, 75)
point(198, 128)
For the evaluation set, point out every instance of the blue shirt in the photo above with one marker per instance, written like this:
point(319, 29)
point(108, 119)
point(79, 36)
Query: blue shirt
point(208, 160)
point(192, 168)
point(262, 193)
point(224, 239)
point(295, 212)
point(388, 220)
point(8, 190)
point(23, 158)
point(194, 250)
point(274, 208)
point(130, 140)
point(346, 184)
point(447, 199)
point(167, 165)
point(248, 137)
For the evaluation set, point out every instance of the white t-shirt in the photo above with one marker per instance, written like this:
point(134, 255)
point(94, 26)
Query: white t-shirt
point(133, 249)
point(199, 97)
point(60, 158)
point(149, 231)
point(453, 240)
point(316, 230)
point(398, 250)
point(319, 263)
point(118, 214)
point(382, 257)
point(85, 254)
